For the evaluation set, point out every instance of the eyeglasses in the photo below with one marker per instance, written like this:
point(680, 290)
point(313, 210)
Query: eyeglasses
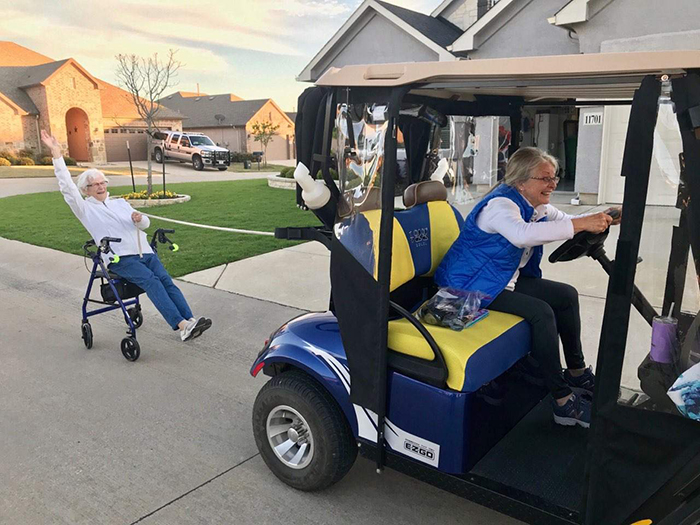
point(103, 183)
point(548, 180)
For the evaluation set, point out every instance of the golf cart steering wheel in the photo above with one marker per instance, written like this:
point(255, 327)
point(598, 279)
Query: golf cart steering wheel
point(583, 243)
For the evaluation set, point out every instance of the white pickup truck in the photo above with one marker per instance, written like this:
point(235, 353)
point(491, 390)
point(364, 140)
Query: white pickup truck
point(196, 148)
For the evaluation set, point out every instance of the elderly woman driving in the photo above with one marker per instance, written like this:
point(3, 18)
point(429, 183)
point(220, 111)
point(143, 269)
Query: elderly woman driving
point(105, 217)
point(499, 251)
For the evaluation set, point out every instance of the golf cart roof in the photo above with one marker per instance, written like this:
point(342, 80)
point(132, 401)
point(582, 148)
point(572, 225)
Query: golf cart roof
point(598, 75)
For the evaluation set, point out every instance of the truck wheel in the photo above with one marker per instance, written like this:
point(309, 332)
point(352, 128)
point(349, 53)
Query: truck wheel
point(222, 168)
point(197, 163)
point(159, 156)
point(302, 433)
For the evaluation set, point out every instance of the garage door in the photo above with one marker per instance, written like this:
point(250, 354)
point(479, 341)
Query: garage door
point(115, 144)
point(665, 165)
point(279, 148)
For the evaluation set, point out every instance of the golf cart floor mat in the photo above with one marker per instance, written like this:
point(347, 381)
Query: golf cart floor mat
point(540, 458)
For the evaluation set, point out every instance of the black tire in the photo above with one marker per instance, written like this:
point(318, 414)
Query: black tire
point(159, 156)
point(136, 316)
point(130, 349)
point(197, 163)
point(222, 168)
point(333, 446)
point(86, 329)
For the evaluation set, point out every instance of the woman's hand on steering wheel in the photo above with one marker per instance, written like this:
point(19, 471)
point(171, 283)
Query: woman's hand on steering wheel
point(616, 213)
point(596, 223)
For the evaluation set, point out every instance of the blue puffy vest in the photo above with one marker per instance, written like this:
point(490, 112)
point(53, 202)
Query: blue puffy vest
point(486, 262)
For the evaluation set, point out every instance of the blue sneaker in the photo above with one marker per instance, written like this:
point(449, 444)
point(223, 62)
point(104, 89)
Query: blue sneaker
point(583, 384)
point(576, 411)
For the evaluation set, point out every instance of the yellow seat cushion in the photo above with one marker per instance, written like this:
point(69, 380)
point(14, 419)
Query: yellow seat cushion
point(474, 356)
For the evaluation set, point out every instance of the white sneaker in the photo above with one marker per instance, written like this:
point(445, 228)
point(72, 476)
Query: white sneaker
point(193, 328)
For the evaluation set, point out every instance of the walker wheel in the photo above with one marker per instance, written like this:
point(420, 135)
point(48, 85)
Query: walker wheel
point(130, 349)
point(87, 335)
point(136, 316)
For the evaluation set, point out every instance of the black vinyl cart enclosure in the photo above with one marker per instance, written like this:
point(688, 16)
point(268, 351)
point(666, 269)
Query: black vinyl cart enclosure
point(642, 456)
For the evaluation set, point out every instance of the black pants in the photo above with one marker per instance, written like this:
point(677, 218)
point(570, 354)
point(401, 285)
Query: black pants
point(552, 310)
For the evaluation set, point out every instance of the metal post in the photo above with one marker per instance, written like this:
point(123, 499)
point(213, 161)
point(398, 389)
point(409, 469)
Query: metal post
point(131, 167)
point(163, 149)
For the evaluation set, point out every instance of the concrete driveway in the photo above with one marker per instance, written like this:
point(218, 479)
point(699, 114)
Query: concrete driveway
point(89, 438)
point(174, 172)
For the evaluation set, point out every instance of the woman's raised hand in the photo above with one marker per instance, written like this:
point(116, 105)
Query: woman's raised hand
point(52, 144)
point(596, 223)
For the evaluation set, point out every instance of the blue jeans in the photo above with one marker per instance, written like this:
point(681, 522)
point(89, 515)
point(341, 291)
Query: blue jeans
point(149, 274)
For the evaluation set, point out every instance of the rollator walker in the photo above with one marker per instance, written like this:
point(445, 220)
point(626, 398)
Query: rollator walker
point(367, 375)
point(117, 293)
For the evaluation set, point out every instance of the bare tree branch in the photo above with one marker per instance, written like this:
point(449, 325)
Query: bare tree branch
point(146, 79)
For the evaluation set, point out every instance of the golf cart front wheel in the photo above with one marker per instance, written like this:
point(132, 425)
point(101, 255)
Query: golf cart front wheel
point(301, 432)
point(87, 334)
point(130, 349)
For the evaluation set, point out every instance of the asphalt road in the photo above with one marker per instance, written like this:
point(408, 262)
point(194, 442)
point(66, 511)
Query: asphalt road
point(89, 438)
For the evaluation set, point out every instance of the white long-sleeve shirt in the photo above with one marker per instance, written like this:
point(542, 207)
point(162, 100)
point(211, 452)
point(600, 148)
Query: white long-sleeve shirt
point(111, 218)
point(501, 215)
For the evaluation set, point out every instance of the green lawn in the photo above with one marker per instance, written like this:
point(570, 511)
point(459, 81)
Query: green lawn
point(43, 219)
point(31, 172)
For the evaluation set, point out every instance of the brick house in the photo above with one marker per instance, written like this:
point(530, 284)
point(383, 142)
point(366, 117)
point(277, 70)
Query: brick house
point(91, 118)
point(227, 120)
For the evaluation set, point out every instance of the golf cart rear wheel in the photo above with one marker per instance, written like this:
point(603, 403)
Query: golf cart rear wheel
point(197, 163)
point(302, 433)
point(87, 334)
point(136, 316)
point(130, 349)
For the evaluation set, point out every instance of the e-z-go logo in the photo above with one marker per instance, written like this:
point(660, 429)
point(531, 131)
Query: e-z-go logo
point(418, 235)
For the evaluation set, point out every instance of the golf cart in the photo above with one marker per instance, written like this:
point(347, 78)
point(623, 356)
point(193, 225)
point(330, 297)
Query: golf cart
point(367, 375)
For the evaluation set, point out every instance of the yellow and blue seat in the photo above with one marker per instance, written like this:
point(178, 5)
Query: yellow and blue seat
point(422, 234)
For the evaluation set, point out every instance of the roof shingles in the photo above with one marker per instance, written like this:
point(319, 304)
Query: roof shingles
point(439, 30)
point(201, 111)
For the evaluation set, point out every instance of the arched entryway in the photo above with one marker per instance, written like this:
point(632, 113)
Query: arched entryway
point(78, 129)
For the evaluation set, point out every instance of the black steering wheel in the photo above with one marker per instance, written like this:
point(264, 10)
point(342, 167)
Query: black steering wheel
point(583, 243)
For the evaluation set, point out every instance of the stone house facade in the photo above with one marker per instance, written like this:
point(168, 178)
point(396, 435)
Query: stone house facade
point(66, 100)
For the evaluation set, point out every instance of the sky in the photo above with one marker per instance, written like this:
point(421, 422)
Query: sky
point(253, 48)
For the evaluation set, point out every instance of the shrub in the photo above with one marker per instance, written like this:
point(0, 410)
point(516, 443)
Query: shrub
point(26, 153)
point(6, 154)
point(13, 160)
point(25, 161)
point(287, 173)
point(70, 161)
point(4, 162)
point(334, 174)
point(46, 161)
point(239, 156)
point(145, 195)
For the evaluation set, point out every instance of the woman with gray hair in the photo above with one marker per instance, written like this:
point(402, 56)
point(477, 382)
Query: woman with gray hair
point(498, 252)
point(138, 264)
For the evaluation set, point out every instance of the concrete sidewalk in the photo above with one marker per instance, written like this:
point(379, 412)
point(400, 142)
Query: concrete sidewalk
point(90, 438)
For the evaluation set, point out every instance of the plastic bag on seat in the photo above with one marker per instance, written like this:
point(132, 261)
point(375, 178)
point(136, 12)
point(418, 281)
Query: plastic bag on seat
point(453, 308)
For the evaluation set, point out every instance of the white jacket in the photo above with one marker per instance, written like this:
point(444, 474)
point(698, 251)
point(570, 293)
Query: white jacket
point(111, 218)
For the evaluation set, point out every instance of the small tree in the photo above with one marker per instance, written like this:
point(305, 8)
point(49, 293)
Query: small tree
point(146, 79)
point(264, 132)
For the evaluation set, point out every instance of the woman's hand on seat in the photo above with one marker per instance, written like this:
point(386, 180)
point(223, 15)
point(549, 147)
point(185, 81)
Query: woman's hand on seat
point(596, 223)
point(51, 143)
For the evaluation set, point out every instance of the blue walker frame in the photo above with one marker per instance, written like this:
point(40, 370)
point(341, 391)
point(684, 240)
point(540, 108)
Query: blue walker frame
point(129, 345)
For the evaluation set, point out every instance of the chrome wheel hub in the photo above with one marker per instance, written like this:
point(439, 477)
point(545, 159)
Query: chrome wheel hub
point(290, 437)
